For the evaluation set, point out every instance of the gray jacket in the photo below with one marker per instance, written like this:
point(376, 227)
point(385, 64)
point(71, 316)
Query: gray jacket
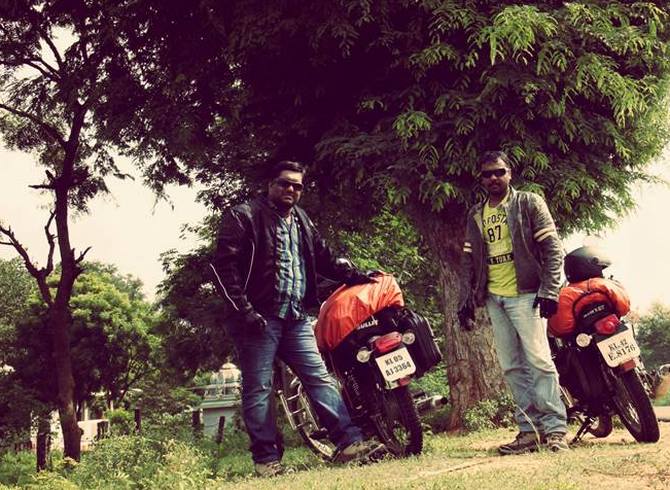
point(538, 253)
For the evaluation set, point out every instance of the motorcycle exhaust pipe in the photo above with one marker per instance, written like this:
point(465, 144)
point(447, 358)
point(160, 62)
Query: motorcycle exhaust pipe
point(430, 403)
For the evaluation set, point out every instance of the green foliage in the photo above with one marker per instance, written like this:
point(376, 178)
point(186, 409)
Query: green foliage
point(653, 335)
point(121, 422)
point(390, 243)
point(491, 414)
point(112, 339)
point(16, 468)
point(435, 381)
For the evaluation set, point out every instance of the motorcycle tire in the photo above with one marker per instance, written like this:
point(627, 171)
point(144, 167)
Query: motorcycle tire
point(601, 427)
point(633, 405)
point(300, 410)
point(399, 426)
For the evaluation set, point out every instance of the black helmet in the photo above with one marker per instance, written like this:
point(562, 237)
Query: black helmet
point(584, 263)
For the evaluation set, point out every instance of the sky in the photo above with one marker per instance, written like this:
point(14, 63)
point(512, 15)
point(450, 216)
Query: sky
point(130, 230)
point(127, 228)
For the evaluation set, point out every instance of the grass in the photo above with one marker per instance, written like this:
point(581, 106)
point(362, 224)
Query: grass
point(471, 462)
point(448, 461)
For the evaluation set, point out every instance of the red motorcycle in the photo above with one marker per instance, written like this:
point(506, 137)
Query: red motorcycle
point(596, 354)
point(374, 347)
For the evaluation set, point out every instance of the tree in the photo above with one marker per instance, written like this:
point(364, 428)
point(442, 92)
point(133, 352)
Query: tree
point(654, 336)
point(392, 102)
point(112, 338)
point(75, 80)
point(16, 401)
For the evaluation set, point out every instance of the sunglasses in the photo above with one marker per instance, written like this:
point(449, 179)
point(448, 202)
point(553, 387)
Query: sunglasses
point(498, 172)
point(285, 184)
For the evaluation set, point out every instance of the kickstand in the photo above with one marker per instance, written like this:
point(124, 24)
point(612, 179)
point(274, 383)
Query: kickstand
point(585, 426)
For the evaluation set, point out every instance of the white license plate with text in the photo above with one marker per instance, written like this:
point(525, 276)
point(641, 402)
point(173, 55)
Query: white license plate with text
point(396, 365)
point(619, 348)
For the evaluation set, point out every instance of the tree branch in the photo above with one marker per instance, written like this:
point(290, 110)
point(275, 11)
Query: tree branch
point(52, 47)
point(39, 275)
point(81, 255)
point(50, 130)
point(52, 244)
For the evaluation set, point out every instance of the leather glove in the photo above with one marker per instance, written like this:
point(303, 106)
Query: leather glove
point(548, 307)
point(466, 317)
point(356, 277)
point(253, 322)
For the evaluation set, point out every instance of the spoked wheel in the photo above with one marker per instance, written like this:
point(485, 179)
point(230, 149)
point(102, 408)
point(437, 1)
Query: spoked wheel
point(301, 414)
point(634, 407)
point(399, 426)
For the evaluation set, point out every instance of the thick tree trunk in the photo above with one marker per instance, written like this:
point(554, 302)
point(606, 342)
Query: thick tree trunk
point(59, 323)
point(472, 367)
point(59, 312)
point(42, 442)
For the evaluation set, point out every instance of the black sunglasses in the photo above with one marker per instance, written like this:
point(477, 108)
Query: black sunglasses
point(498, 172)
point(285, 184)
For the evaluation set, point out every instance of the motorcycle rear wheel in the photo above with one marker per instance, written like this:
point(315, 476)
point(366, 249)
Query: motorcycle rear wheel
point(633, 405)
point(399, 426)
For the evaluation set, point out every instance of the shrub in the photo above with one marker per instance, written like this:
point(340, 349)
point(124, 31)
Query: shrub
point(490, 414)
point(183, 467)
point(118, 462)
point(121, 422)
point(16, 468)
point(435, 381)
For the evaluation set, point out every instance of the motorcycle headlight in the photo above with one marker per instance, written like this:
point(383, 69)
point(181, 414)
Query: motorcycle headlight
point(363, 355)
point(408, 337)
point(583, 339)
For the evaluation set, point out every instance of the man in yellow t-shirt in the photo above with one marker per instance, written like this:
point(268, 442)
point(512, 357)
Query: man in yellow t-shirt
point(500, 258)
point(512, 264)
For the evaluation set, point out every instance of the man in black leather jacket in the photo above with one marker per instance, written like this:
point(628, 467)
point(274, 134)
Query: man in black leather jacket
point(265, 267)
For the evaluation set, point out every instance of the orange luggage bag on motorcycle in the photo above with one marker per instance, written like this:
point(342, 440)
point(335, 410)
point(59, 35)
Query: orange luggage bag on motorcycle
point(575, 296)
point(348, 307)
point(374, 309)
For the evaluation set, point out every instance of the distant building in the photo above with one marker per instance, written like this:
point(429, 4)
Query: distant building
point(221, 397)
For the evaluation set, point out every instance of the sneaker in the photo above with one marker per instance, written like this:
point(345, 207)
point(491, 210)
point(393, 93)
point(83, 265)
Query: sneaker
point(556, 442)
point(525, 442)
point(357, 451)
point(270, 469)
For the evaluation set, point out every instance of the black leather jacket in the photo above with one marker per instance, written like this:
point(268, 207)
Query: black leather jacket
point(246, 257)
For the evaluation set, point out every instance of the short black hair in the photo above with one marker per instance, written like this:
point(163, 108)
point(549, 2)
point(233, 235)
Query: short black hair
point(283, 165)
point(493, 157)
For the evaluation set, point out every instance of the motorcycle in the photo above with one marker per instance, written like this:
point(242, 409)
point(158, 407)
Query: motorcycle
point(373, 365)
point(596, 354)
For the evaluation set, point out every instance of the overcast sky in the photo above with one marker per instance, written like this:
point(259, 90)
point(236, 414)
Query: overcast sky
point(129, 230)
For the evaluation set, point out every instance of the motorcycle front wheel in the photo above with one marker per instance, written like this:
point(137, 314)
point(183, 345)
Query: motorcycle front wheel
point(302, 416)
point(399, 426)
point(633, 405)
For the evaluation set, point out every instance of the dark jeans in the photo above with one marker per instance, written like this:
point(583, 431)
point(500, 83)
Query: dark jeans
point(294, 342)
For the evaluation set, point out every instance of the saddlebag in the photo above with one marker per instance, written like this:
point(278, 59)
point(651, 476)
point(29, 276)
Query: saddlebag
point(424, 350)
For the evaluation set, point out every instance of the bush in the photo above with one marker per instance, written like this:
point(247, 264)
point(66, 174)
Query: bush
point(16, 468)
point(121, 422)
point(183, 466)
point(435, 381)
point(118, 462)
point(136, 461)
point(491, 414)
point(165, 426)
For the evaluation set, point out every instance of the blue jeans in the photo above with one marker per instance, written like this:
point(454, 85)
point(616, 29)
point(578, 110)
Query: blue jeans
point(294, 342)
point(523, 351)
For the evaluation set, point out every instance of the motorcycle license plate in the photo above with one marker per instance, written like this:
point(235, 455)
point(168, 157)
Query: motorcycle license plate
point(619, 348)
point(396, 364)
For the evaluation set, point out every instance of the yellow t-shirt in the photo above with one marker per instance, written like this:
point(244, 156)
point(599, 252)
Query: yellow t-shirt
point(500, 259)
